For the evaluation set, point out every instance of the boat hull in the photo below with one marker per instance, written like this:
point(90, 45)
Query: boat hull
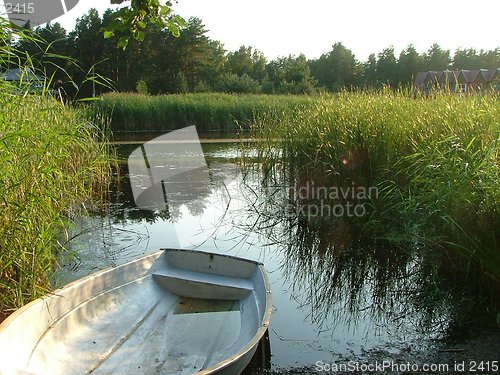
point(172, 312)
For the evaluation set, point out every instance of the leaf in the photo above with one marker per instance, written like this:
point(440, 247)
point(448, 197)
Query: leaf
point(88, 99)
point(140, 36)
point(180, 21)
point(173, 29)
point(108, 34)
point(470, 143)
point(165, 11)
point(123, 42)
point(128, 21)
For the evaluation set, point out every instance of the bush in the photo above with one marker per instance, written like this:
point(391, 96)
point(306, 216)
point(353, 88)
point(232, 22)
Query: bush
point(141, 87)
point(232, 83)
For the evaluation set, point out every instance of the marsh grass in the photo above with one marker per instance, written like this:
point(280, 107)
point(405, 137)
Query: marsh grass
point(211, 112)
point(435, 161)
point(51, 167)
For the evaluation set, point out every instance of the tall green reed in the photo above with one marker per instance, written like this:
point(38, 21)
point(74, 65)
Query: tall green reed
point(210, 112)
point(52, 166)
point(434, 160)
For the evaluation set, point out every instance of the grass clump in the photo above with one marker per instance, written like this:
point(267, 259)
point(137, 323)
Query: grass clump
point(210, 112)
point(51, 166)
point(435, 162)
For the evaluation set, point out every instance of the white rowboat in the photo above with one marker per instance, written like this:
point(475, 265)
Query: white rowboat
point(171, 312)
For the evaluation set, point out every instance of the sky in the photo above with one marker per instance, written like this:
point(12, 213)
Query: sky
point(284, 27)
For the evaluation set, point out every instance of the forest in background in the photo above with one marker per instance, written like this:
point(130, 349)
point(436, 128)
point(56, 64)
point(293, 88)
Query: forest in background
point(162, 63)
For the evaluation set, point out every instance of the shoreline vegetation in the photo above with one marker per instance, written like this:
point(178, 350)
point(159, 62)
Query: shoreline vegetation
point(211, 113)
point(435, 162)
point(196, 63)
point(53, 167)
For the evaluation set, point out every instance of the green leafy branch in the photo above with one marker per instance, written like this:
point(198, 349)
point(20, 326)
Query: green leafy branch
point(130, 22)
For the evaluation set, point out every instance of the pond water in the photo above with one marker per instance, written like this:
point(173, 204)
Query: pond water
point(335, 299)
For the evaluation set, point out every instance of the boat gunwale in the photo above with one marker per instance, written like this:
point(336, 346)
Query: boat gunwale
point(57, 293)
point(264, 325)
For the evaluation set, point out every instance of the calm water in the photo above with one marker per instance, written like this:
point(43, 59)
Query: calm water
point(335, 298)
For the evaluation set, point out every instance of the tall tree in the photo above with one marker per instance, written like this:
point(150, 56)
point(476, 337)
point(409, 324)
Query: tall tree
point(291, 75)
point(370, 71)
point(489, 59)
point(336, 69)
point(194, 57)
point(472, 59)
point(89, 45)
point(437, 59)
point(247, 61)
point(466, 59)
point(409, 64)
point(387, 67)
point(199, 58)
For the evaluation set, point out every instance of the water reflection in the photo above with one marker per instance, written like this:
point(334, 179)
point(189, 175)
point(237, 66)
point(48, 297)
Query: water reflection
point(336, 293)
point(342, 276)
point(191, 190)
point(339, 276)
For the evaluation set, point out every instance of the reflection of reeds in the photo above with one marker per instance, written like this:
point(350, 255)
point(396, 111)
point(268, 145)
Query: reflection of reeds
point(343, 275)
point(191, 190)
point(349, 280)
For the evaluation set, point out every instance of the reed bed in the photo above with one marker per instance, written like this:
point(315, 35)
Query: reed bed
point(210, 112)
point(51, 167)
point(435, 162)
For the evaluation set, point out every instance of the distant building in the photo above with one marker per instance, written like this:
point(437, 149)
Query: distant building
point(480, 80)
point(27, 76)
point(19, 74)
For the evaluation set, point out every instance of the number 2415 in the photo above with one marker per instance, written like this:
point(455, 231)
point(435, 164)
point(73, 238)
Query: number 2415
point(20, 8)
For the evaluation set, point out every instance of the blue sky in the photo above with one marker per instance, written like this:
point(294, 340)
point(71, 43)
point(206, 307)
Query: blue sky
point(283, 27)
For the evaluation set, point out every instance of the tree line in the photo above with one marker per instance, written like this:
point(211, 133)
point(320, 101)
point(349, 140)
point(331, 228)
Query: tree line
point(158, 62)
